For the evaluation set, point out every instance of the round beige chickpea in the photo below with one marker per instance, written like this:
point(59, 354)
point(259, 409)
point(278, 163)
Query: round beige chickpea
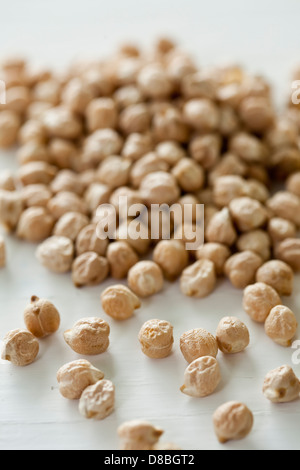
point(241, 268)
point(278, 275)
point(87, 240)
point(247, 213)
point(10, 123)
point(172, 258)
point(258, 301)
point(197, 343)
point(138, 435)
point(121, 257)
point(288, 251)
point(201, 377)
point(281, 325)
point(279, 229)
point(74, 377)
point(232, 335)
point(215, 252)
point(56, 254)
point(11, 207)
point(98, 400)
point(19, 347)
point(70, 224)
point(281, 385)
point(145, 278)
point(232, 420)
point(156, 338)
point(41, 317)
point(199, 279)
point(119, 302)
point(89, 269)
point(89, 336)
point(220, 228)
point(35, 224)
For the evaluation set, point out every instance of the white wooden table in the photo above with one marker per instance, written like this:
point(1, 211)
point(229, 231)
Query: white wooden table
point(264, 37)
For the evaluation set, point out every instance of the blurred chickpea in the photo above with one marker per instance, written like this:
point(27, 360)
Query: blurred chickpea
point(257, 113)
point(127, 231)
point(87, 240)
point(283, 133)
point(278, 275)
point(76, 95)
point(7, 180)
point(281, 385)
point(62, 153)
point(232, 335)
point(147, 164)
point(220, 228)
point(32, 129)
point(35, 224)
point(61, 122)
point(199, 85)
point(154, 82)
point(230, 164)
point(89, 269)
point(67, 180)
point(33, 151)
point(63, 201)
point(101, 113)
point(232, 420)
point(136, 145)
point(170, 152)
point(17, 99)
point(47, 91)
point(41, 317)
point(127, 95)
point(247, 213)
point(215, 252)
point(198, 343)
point(121, 257)
point(202, 114)
point(138, 435)
point(281, 325)
point(9, 128)
point(257, 241)
point(2, 252)
point(172, 258)
point(168, 124)
point(293, 183)
point(36, 173)
point(114, 171)
point(189, 174)
point(159, 188)
point(258, 301)
point(70, 224)
point(199, 279)
point(288, 251)
point(279, 229)
point(36, 195)
point(101, 144)
point(248, 147)
point(228, 187)
point(36, 109)
point(284, 161)
point(11, 207)
point(285, 205)
point(156, 338)
point(123, 198)
point(241, 268)
point(135, 118)
point(229, 121)
point(145, 278)
point(56, 254)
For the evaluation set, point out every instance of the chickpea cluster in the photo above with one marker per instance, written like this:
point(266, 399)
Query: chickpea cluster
point(153, 127)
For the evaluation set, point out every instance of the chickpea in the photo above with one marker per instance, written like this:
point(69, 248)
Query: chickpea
point(189, 175)
point(278, 275)
point(159, 188)
point(61, 122)
point(121, 257)
point(127, 95)
point(35, 224)
point(229, 121)
point(136, 145)
point(247, 213)
point(61, 203)
point(101, 113)
point(56, 254)
point(17, 99)
point(147, 164)
point(76, 95)
point(232, 420)
point(19, 347)
point(119, 302)
point(199, 85)
point(9, 127)
point(11, 207)
point(101, 144)
point(114, 171)
point(67, 180)
point(47, 91)
point(2, 252)
point(220, 228)
point(201, 377)
point(281, 325)
point(256, 113)
point(127, 232)
point(37, 195)
point(135, 118)
point(98, 400)
point(70, 224)
point(156, 338)
point(281, 385)
point(285, 161)
point(62, 152)
point(36, 173)
point(285, 205)
point(89, 269)
point(229, 165)
point(199, 279)
point(293, 183)
point(170, 152)
point(7, 181)
point(258, 301)
point(215, 252)
point(138, 435)
point(279, 229)
point(36, 109)
point(248, 147)
point(87, 240)
point(202, 114)
point(227, 188)
point(206, 150)
point(172, 258)
point(289, 251)
point(198, 343)
point(41, 317)
point(33, 151)
point(89, 336)
point(74, 377)
point(154, 82)
point(257, 241)
point(241, 268)
point(145, 278)
point(232, 335)
point(257, 190)
point(168, 124)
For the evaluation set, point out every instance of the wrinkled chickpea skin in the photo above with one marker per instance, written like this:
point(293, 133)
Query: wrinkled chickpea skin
point(156, 338)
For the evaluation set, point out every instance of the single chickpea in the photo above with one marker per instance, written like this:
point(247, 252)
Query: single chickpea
point(232, 420)
point(159, 188)
point(168, 124)
point(284, 161)
point(281, 325)
point(279, 229)
point(37, 195)
point(229, 121)
point(41, 317)
point(138, 435)
point(87, 240)
point(257, 241)
point(74, 377)
point(172, 258)
point(35, 224)
point(281, 385)
point(70, 224)
point(202, 114)
point(61, 122)
point(67, 180)
point(201, 377)
point(189, 175)
point(19, 347)
point(199, 85)
point(127, 95)
point(257, 190)
point(76, 95)
point(156, 338)
point(2, 252)
point(36, 109)
point(154, 82)
point(198, 343)
point(47, 91)
point(17, 99)
point(89, 269)
point(119, 302)
point(258, 301)
point(278, 275)
point(170, 152)
point(36, 173)
point(241, 268)
point(33, 151)
point(206, 150)
point(89, 336)
point(97, 194)
point(232, 335)
point(135, 118)
point(11, 207)
point(230, 164)
point(289, 251)
point(220, 228)
point(7, 181)
point(257, 172)
point(247, 213)
point(293, 183)
point(136, 145)
point(101, 113)
point(285, 205)
point(282, 134)
point(61, 203)
point(145, 278)
point(121, 257)
point(256, 113)
point(101, 144)
point(62, 152)
point(56, 254)
point(199, 279)
point(227, 188)
point(114, 171)
point(98, 400)
point(248, 147)
point(147, 164)
point(10, 123)
point(215, 252)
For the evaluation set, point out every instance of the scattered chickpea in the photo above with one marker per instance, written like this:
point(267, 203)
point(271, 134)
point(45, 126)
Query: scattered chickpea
point(62, 202)
point(101, 144)
point(172, 258)
point(206, 150)
point(119, 302)
point(288, 251)
point(114, 171)
point(232, 335)
point(36, 173)
point(121, 257)
point(202, 114)
point(10, 123)
point(35, 224)
point(87, 240)
point(41, 317)
point(258, 301)
point(257, 241)
point(279, 229)
point(56, 254)
point(247, 213)
point(199, 279)
point(159, 188)
point(2, 252)
point(189, 175)
point(7, 181)
point(232, 420)
point(145, 278)
point(19, 347)
point(70, 224)
point(138, 435)
point(89, 269)
point(285, 205)
point(293, 183)
point(227, 188)
point(136, 145)
point(67, 180)
point(89, 336)
point(98, 400)
point(281, 325)
point(74, 377)
point(11, 207)
point(201, 377)
point(156, 338)
point(147, 164)
point(170, 152)
point(215, 252)
point(281, 385)
point(197, 343)
point(278, 275)
point(220, 228)
point(37, 195)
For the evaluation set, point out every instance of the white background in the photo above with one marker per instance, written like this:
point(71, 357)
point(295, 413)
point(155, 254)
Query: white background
point(264, 37)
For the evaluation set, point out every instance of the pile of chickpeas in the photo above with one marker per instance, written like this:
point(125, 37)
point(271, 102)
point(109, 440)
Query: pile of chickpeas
point(152, 126)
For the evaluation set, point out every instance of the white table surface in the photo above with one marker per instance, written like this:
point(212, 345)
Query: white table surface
point(264, 37)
